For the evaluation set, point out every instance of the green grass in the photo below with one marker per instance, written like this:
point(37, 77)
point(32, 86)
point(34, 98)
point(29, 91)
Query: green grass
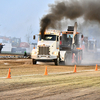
point(70, 81)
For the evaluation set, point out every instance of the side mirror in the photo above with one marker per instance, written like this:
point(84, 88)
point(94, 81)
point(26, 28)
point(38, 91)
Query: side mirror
point(60, 38)
point(34, 37)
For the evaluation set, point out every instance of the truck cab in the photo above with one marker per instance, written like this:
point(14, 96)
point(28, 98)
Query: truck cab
point(47, 48)
point(92, 45)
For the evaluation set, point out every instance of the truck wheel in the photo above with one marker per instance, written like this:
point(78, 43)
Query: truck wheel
point(65, 61)
point(80, 54)
point(68, 59)
point(78, 58)
point(33, 61)
point(57, 61)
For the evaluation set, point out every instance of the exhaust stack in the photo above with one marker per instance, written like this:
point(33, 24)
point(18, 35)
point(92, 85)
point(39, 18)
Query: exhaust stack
point(42, 34)
point(75, 30)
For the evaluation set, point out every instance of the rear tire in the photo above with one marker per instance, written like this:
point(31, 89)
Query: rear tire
point(34, 61)
point(80, 54)
point(78, 60)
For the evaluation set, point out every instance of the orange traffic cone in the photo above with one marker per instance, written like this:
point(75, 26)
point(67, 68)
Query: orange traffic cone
point(9, 74)
point(96, 68)
point(46, 73)
point(75, 69)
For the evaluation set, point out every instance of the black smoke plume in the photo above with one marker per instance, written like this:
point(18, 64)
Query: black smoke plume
point(73, 9)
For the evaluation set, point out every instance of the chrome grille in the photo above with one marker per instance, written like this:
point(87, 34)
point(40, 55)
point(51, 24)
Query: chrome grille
point(43, 50)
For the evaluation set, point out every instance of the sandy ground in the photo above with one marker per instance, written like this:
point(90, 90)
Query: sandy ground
point(29, 82)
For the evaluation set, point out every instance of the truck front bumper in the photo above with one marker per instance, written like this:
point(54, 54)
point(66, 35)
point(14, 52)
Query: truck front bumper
point(44, 58)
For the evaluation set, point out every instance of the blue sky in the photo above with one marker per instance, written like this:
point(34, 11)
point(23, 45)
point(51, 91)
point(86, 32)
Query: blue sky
point(21, 17)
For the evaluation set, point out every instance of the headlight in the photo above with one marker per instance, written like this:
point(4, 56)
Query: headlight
point(55, 53)
point(34, 52)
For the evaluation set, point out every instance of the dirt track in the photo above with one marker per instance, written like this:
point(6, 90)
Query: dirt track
point(28, 82)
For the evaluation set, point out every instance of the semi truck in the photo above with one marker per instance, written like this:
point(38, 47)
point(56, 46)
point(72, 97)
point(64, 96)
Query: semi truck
point(90, 44)
point(59, 48)
point(72, 45)
point(47, 48)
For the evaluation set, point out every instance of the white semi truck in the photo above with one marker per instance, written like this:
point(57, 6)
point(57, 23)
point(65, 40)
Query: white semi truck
point(49, 47)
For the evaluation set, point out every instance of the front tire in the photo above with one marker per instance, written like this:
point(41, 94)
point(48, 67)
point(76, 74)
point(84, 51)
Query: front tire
point(57, 61)
point(34, 61)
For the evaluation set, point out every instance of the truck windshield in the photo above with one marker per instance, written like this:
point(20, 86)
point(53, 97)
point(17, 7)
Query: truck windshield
point(69, 35)
point(49, 37)
point(67, 39)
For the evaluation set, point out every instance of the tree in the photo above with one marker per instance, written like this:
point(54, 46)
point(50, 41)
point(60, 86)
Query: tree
point(29, 34)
